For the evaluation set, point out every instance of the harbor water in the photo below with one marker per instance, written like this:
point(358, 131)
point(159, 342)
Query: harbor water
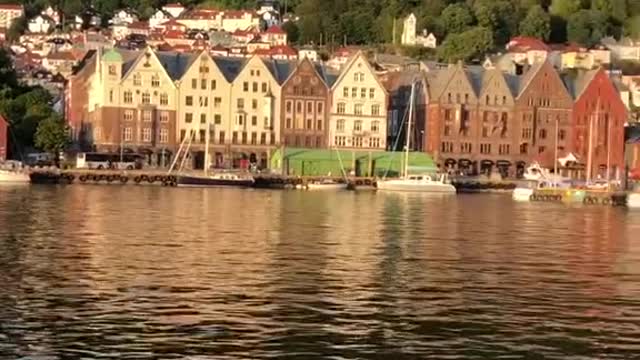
point(119, 272)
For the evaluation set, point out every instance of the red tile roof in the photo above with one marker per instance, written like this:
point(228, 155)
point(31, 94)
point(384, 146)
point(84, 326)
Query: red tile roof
point(173, 22)
point(174, 5)
point(526, 43)
point(62, 56)
point(140, 25)
point(275, 30)
point(284, 50)
point(174, 34)
point(11, 7)
point(238, 14)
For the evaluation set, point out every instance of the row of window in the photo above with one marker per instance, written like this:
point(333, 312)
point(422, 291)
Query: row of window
point(237, 137)
point(204, 84)
point(358, 141)
point(137, 79)
point(255, 86)
point(309, 107)
point(203, 101)
point(217, 118)
point(304, 141)
point(145, 98)
point(542, 134)
point(307, 124)
point(357, 126)
point(467, 148)
point(355, 91)
point(358, 109)
point(146, 116)
point(146, 135)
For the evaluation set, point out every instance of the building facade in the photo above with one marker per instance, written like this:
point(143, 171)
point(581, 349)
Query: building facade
point(358, 107)
point(305, 103)
point(8, 13)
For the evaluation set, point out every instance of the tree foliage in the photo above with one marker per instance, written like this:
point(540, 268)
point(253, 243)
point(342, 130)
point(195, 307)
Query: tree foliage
point(587, 27)
point(52, 135)
point(537, 24)
point(469, 45)
point(456, 18)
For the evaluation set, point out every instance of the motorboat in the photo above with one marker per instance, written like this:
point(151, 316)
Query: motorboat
point(419, 183)
point(14, 173)
point(325, 185)
point(215, 180)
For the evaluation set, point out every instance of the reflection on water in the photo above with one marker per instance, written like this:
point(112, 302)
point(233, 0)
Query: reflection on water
point(137, 273)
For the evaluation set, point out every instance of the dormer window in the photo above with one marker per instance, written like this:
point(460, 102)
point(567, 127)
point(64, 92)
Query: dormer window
point(137, 80)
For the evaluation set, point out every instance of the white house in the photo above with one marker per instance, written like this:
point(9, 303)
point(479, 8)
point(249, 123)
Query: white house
point(53, 14)
point(427, 40)
point(123, 17)
point(158, 18)
point(308, 53)
point(40, 24)
point(409, 31)
point(8, 13)
point(625, 49)
point(175, 9)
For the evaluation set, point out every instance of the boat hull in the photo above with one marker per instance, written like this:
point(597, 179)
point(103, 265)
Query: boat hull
point(14, 178)
point(313, 186)
point(201, 181)
point(439, 188)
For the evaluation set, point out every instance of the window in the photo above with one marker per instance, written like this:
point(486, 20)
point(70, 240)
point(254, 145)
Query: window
point(289, 106)
point(146, 134)
point(254, 138)
point(345, 91)
point(183, 133)
point(465, 148)
point(340, 125)
point(541, 149)
point(111, 96)
point(204, 101)
point(354, 92)
point(244, 137)
point(561, 134)
point(254, 120)
point(309, 124)
point(374, 142)
point(164, 136)
point(356, 77)
point(503, 149)
point(340, 141)
point(363, 93)
point(128, 115)
point(372, 93)
point(146, 116)
point(217, 119)
point(264, 87)
point(341, 108)
point(375, 110)
point(217, 102)
point(137, 80)
point(288, 123)
point(112, 70)
point(240, 104)
point(128, 97)
point(194, 83)
point(164, 116)
point(155, 81)
point(254, 104)
point(319, 125)
point(309, 107)
point(245, 86)
point(146, 98)
point(446, 147)
point(375, 126)
point(221, 137)
point(255, 87)
point(203, 84)
point(485, 148)
point(188, 101)
point(524, 148)
point(543, 133)
point(299, 107)
point(357, 109)
point(357, 125)
point(357, 141)
point(164, 99)
point(203, 118)
point(188, 118)
point(526, 133)
point(128, 134)
point(319, 108)
point(203, 135)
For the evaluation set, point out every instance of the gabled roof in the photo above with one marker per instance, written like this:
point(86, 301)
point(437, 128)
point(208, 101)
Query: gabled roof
point(318, 68)
point(526, 79)
point(527, 43)
point(577, 83)
point(230, 66)
point(495, 73)
point(279, 69)
point(275, 29)
point(439, 80)
point(351, 62)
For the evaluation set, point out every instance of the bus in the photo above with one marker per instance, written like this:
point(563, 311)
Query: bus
point(100, 161)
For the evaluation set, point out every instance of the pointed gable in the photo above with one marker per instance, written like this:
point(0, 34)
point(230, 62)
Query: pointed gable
point(495, 86)
point(358, 61)
point(543, 81)
point(200, 61)
point(148, 62)
point(456, 82)
point(305, 65)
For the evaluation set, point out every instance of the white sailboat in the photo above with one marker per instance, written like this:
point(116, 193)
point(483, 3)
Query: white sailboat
point(330, 184)
point(424, 183)
point(14, 173)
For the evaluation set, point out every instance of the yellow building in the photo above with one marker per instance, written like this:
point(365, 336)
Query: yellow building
point(359, 107)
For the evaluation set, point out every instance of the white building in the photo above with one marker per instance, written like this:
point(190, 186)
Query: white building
point(174, 10)
point(8, 13)
point(625, 49)
point(309, 53)
point(158, 18)
point(123, 17)
point(40, 24)
point(53, 14)
point(411, 38)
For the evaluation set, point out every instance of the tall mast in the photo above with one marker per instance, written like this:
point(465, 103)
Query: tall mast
point(555, 155)
point(409, 129)
point(207, 140)
point(590, 151)
point(608, 151)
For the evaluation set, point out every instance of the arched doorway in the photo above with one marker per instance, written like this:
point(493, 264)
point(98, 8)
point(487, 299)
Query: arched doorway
point(520, 166)
point(504, 167)
point(486, 167)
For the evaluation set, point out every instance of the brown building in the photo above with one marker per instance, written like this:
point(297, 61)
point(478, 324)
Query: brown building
point(306, 98)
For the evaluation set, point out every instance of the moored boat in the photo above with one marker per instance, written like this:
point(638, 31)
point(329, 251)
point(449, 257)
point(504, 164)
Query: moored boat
point(418, 183)
point(13, 172)
point(215, 180)
point(326, 185)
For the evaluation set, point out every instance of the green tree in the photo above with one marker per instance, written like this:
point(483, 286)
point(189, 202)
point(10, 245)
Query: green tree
point(293, 33)
point(456, 18)
point(52, 135)
point(632, 27)
point(469, 45)
point(587, 27)
point(616, 9)
point(498, 15)
point(537, 23)
point(565, 8)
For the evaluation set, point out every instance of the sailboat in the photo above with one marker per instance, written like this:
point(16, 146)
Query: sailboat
point(423, 183)
point(206, 178)
point(330, 184)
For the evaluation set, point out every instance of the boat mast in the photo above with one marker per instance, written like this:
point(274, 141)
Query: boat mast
point(590, 153)
point(207, 140)
point(409, 129)
point(608, 151)
point(555, 156)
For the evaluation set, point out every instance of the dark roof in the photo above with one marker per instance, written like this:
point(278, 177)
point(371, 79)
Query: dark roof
point(280, 69)
point(229, 66)
point(577, 82)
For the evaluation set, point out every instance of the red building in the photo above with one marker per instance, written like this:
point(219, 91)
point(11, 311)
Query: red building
point(599, 113)
point(4, 127)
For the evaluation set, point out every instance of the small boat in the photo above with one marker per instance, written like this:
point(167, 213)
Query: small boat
point(326, 185)
point(419, 183)
point(215, 180)
point(14, 173)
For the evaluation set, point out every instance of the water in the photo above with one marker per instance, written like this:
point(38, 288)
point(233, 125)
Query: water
point(124, 272)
